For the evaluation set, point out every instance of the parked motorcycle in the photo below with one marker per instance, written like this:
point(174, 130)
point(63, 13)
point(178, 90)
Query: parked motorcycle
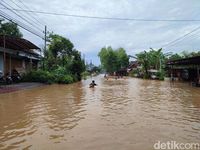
point(8, 79)
point(15, 76)
point(1, 77)
point(5, 79)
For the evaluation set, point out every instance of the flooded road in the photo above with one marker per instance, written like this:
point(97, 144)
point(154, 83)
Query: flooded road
point(118, 114)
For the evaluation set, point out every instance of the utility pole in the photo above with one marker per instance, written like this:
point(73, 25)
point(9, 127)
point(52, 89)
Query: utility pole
point(45, 43)
point(4, 54)
point(45, 38)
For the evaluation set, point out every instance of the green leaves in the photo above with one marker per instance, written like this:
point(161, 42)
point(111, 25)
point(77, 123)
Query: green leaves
point(151, 60)
point(184, 54)
point(10, 28)
point(61, 58)
point(113, 60)
point(60, 46)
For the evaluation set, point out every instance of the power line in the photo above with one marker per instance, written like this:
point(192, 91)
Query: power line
point(20, 24)
point(28, 14)
point(9, 7)
point(12, 10)
point(28, 8)
point(181, 38)
point(107, 18)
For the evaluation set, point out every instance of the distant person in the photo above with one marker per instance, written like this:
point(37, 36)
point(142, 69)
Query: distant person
point(93, 84)
point(106, 77)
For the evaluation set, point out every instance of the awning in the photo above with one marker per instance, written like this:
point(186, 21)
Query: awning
point(17, 44)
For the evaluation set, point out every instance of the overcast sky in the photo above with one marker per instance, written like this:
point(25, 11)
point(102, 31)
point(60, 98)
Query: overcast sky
point(90, 35)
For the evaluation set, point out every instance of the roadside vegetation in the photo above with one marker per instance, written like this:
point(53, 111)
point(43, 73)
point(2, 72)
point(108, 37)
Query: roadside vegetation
point(91, 70)
point(152, 63)
point(112, 60)
point(61, 63)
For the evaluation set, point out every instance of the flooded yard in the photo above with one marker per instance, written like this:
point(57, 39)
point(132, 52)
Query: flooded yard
point(117, 114)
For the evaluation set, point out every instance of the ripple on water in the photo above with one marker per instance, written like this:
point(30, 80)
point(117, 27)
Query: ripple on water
point(123, 113)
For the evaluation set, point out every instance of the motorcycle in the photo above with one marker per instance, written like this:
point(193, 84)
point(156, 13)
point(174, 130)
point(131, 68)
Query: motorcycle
point(5, 79)
point(15, 76)
point(1, 77)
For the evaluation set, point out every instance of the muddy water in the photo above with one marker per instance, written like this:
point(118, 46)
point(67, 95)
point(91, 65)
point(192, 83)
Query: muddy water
point(117, 114)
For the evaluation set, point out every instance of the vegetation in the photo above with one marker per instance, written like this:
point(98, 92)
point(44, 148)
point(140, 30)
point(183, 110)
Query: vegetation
point(9, 28)
point(156, 59)
point(48, 77)
point(153, 59)
point(39, 76)
point(85, 74)
point(61, 63)
point(91, 68)
point(184, 54)
point(113, 60)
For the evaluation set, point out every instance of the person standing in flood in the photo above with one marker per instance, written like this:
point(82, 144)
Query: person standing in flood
point(93, 84)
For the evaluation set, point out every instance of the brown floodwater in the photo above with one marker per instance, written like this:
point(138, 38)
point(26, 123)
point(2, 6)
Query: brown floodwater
point(117, 114)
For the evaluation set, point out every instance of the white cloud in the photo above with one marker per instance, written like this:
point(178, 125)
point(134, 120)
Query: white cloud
point(90, 35)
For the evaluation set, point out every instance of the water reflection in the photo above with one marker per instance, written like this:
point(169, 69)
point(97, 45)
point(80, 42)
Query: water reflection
point(117, 114)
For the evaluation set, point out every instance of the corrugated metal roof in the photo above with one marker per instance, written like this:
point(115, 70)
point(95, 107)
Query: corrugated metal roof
point(17, 44)
point(186, 61)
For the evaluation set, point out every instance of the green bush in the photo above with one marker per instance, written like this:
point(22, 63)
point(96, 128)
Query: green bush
point(57, 76)
point(62, 75)
point(161, 75)
point(64, 79)
point(85, 74)
point(134, 72)
point(60, 71)
point(38, 76)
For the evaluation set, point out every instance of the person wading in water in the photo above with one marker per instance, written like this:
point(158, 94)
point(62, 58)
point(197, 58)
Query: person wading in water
point(93, 84)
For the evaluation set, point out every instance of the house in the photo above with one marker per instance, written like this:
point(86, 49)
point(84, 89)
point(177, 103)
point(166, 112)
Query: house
point(187, 69)
point(132, 65)
point(17, 54)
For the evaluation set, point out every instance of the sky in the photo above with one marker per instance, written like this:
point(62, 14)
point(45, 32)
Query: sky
point(90, 35)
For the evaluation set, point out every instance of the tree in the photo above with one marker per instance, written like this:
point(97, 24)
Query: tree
point(142, 59)
point(122, 57)
point(60, 46)
point(152, 59)
point(175, 57)
point(113, 60)
point(61, 57)
point(184, 54)
point(9, 28)
point(78, 65)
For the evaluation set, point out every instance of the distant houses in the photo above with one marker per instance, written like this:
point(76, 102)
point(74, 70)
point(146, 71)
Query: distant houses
point(132, 65)
point(187, 69)
point(17, 54)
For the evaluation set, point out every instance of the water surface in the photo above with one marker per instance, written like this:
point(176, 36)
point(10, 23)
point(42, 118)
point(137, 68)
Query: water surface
point(117, 114)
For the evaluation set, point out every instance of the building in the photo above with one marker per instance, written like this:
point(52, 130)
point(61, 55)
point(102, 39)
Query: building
point(133, 65)
point(187, 69)
point(17, 54)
